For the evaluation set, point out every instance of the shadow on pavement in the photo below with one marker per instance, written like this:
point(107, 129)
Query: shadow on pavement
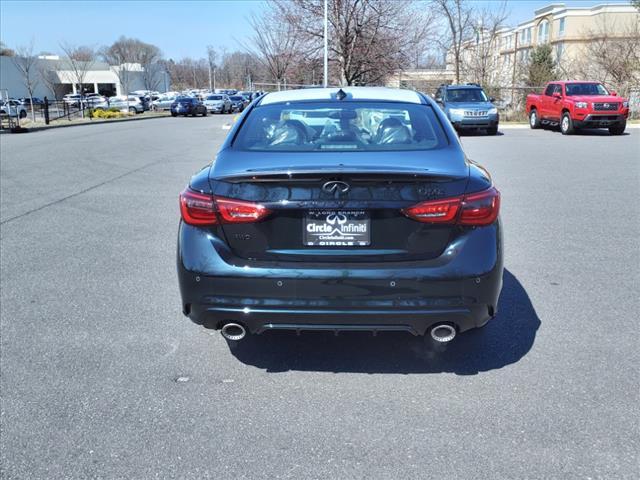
point(503, 341)
point(478, 133)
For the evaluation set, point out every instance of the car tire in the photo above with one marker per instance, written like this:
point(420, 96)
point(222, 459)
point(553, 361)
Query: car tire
point(492, 130)
point(174, 114)
point(534, 119)
point(618, 129)
point(132, 110)
point(204, 114)
point(23, 114)
point(566, 124)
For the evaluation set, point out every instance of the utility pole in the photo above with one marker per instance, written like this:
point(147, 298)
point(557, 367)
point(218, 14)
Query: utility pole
point(326, 45)
point(513, 75)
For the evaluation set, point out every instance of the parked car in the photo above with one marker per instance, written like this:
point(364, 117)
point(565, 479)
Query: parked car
point(130, 103)
point(401, 233)
point(72, 99)
point(575, 105)
point(13, 108)
point(94, 99)
point(188, 106)
point(144, 100)
point(218, 103)
point(163, 102)
point(468, 108)
point(27, 101)
point(238, 102)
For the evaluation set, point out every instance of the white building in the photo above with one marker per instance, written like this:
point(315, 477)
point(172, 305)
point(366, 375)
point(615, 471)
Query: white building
point(55, 77)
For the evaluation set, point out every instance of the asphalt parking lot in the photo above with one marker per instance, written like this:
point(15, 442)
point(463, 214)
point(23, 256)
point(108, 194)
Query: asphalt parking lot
point(102, 376)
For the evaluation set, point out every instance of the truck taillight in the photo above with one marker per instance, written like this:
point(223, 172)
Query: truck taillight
point(202, 209)
point(474, 209)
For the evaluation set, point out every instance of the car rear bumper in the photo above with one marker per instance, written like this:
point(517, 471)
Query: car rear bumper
point(600, 120)
point(475, 123)
point(459, 287)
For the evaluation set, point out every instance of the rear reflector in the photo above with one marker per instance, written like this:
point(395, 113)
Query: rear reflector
point(478, 209)
point(202, 209)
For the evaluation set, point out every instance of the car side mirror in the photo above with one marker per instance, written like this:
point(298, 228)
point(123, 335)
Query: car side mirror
point(438, 99)
point(614, 93)
point(557, 95)
point(492, 99)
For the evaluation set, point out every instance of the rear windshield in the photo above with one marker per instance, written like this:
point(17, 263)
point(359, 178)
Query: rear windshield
point(459, 95)
point(236, 97)
point(573, 89)
point(214, 97)
point(184, 99)
point(349, 126)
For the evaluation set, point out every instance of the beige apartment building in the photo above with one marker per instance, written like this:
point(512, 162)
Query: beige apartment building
point(574, 33)
point(499, 58)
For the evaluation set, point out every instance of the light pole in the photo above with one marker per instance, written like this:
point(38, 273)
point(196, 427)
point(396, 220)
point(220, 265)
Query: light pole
point(326, 46)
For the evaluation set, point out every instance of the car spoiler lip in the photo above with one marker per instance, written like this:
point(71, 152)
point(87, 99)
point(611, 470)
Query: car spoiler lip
point(278, 174)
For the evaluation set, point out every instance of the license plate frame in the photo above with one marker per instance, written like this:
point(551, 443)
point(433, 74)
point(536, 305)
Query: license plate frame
point(336, 228)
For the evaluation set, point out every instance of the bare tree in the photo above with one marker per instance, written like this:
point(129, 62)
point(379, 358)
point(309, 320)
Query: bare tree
point(480, 61)
point(274, 42)
point(26, 63)
point(125, 52)
point(370, 39)
point(80, 59)
point(149, 56)
point(613, 58)
point(458, 16)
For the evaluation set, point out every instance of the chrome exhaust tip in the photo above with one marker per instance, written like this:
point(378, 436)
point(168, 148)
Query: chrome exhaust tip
point(443, 333)
point(233, 331)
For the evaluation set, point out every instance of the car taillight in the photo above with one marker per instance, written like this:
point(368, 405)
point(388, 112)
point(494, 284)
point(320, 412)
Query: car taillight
point(477, 209)
point(480, 208)
point(434, 211)
point(202, 209)
point(197, 208)
point(238, 211)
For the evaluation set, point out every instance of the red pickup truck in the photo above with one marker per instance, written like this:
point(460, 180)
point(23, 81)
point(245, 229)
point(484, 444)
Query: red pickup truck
point(574, 105)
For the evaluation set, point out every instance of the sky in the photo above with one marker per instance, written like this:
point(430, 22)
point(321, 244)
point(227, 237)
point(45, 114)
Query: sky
point(179, 28)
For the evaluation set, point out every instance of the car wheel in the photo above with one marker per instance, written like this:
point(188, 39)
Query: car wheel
point(23, 114)
point(204, 114)
point(534, 120)
point(174, 114)
point(618, 129)
point(566, 124)
point(132, 110)
point(492, 130)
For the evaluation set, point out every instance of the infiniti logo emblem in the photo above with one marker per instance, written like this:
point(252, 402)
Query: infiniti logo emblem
point(336, 187)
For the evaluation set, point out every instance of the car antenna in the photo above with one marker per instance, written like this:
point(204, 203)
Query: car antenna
point(341, 95)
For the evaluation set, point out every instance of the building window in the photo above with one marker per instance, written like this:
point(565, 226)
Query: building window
point(543, 32)
point(561, 27)
point(559, 50)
